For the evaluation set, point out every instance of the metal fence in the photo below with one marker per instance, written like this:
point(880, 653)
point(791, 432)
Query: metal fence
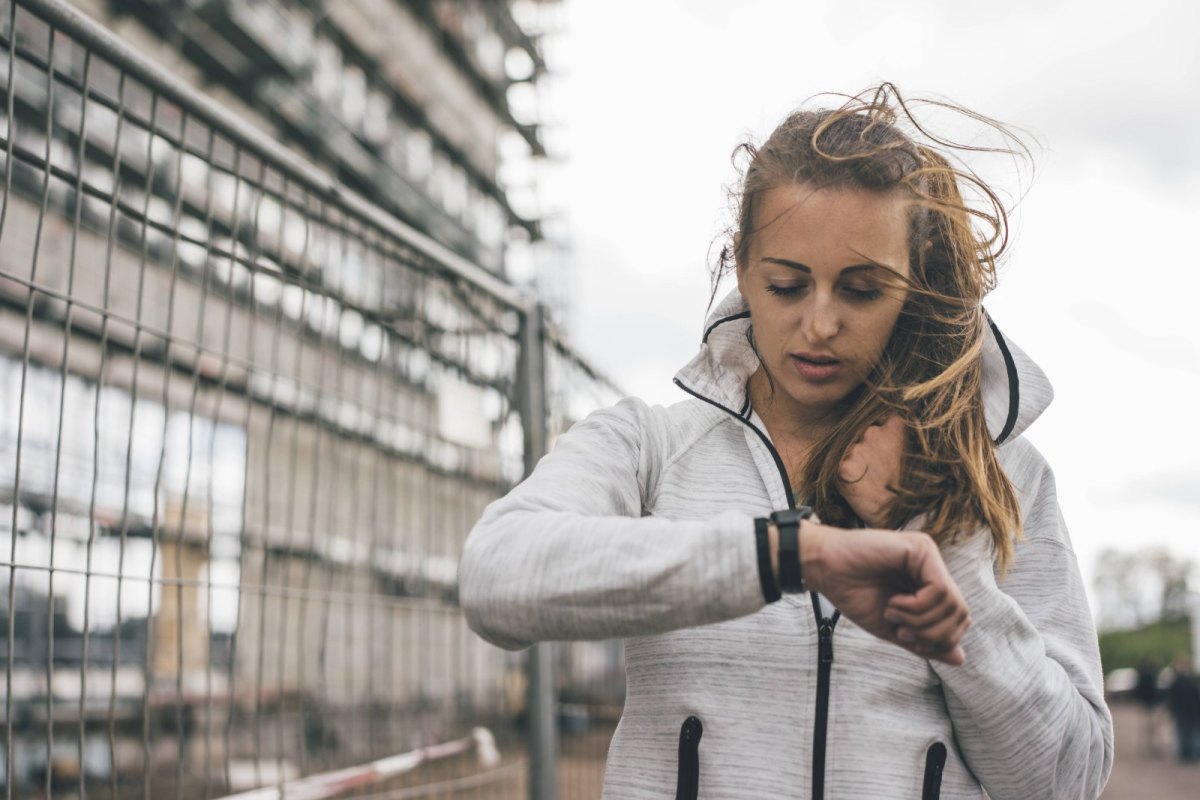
point(247, 421)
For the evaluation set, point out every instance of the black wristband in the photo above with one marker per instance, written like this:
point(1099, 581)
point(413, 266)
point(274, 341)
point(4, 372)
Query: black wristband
point(791, 575)
point(766, 575)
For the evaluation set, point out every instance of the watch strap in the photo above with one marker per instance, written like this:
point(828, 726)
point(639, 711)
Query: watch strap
point(791, 574)
point(766, 575)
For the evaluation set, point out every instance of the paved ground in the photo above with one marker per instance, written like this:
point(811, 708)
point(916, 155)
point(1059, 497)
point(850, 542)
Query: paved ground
point(1148, 773)
point(1141, 772)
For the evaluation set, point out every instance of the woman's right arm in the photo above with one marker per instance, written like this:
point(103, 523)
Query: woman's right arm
point(567, 554)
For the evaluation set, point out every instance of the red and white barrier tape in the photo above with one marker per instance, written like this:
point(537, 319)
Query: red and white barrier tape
point(331, 784)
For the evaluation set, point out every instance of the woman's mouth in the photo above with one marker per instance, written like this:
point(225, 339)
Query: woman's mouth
point(816, 368)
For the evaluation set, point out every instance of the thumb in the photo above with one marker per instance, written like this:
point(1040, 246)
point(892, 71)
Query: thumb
point(925, 565)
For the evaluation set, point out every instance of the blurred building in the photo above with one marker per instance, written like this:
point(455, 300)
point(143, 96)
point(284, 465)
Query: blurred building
point(242, 487)
point(407, 101)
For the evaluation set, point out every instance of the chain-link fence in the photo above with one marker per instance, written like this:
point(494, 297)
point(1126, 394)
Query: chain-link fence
point(248, 420)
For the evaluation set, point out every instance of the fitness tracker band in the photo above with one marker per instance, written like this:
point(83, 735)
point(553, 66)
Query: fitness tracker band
point(791, 576)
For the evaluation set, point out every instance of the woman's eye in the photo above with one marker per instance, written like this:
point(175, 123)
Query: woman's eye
point(862, 294)
point(784, 291)
point(857, 294)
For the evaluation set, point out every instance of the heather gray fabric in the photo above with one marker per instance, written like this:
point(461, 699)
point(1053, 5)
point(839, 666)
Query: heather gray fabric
point(639, 525)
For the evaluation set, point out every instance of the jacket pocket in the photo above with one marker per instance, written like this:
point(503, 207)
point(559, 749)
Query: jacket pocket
point(687, 785)
point(935, 762)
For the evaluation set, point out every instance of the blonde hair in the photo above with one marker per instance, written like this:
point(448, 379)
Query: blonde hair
point(930, 372)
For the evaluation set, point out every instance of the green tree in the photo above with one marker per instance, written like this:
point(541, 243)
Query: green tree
point(1133, 589)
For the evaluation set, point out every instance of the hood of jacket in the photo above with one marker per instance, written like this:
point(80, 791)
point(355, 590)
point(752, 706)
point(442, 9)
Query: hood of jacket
point(1015, 390)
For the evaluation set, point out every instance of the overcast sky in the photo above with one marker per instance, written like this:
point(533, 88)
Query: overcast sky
point(1101, 285)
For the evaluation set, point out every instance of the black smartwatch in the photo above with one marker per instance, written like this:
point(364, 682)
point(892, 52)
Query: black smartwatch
point(791, 576)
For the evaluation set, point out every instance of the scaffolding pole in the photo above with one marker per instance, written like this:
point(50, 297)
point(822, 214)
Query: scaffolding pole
point(543, 756)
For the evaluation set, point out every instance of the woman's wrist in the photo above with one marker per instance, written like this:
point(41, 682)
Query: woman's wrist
point(773, 544)
point(812, 543)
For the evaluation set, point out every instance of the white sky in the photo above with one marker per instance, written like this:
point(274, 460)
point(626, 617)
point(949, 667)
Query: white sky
point(1101, 284)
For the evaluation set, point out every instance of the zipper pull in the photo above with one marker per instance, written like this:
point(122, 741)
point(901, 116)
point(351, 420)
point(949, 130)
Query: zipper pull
point(687, 786)
point(826, 641)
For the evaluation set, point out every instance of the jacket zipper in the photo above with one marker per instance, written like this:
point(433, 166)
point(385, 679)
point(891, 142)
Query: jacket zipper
point(787, 485)
point(824, 626)
point(687, 786)
point(935, 762)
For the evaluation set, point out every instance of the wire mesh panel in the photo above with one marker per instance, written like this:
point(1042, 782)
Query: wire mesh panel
point(590, 676)
point(247, 423)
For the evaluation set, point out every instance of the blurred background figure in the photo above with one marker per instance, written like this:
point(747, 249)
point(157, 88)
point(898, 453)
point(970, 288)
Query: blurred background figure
point(1183, 701)
point(1147, 693)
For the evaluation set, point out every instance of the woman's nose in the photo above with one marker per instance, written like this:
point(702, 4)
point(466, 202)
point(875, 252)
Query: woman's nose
point(822, 322)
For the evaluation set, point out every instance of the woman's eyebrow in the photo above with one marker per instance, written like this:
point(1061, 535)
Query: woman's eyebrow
point(805, 268)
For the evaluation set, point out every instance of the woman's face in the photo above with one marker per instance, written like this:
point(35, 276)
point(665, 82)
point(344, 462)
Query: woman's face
point(822, 301)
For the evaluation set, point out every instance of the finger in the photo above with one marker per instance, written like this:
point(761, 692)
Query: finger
point(924, 563)
point(890, 426)
point(943, 653)
point(882, 421)
point(853, 467)
point(951, 612)
point(887, 437)
point(950, 653)
point(892, 430)
point(851, 473)
point(955, 658)
point(926, 599)
point(940, 635)
point(921, 619)
point(955, 655)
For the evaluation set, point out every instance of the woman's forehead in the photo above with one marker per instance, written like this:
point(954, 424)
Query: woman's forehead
point(832, 227)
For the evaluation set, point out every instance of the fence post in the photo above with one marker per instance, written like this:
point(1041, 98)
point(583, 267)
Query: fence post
point(540, 707)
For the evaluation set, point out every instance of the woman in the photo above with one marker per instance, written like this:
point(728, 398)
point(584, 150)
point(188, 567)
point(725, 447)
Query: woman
point(855, 373)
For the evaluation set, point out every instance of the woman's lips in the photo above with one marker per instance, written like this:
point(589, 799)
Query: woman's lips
point(816, 368)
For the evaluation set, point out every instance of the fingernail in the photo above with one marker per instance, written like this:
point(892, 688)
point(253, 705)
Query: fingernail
point(892, 618)
point(905, 635)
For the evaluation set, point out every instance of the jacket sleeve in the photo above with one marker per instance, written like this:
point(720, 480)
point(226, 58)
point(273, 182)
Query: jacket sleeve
point(1028, 705)
point(568, 554)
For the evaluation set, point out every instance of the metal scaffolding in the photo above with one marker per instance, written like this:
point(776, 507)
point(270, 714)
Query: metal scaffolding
point(249, 418)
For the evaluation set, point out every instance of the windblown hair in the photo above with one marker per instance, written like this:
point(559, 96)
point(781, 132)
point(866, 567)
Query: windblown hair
point(930, 372)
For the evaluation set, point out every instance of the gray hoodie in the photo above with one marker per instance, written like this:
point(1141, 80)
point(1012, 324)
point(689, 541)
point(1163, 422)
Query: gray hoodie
point(639, 524)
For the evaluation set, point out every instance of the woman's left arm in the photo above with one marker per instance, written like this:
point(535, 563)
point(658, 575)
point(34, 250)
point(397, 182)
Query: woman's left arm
point(1028, 705)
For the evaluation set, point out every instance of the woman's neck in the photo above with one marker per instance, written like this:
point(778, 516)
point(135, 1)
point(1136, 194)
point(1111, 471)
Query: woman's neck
point(787, 420)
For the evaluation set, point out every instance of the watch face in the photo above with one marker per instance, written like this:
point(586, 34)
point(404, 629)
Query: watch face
point(791, 516)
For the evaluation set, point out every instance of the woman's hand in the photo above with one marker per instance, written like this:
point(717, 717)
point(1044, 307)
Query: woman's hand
point(893, 584)
point(870, 468)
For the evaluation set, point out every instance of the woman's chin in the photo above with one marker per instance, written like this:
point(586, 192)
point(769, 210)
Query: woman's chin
point(809, 399)
point(818, 400)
